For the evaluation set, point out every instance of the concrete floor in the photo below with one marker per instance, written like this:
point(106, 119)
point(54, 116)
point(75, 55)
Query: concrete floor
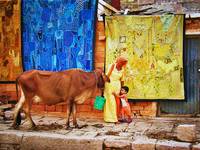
point(157, 129)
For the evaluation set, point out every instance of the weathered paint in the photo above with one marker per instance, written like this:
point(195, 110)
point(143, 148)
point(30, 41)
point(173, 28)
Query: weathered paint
point(191, 105)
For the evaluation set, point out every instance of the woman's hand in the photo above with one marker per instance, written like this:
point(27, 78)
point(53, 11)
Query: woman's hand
point(113, 93)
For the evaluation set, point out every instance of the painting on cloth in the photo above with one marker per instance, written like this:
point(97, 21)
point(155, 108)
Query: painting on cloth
point(10, 40)
point(153, 46)
point(58, 34)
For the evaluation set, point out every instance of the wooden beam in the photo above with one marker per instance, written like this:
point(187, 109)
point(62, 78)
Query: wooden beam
point(139, 11)
point(155, 12)
point(108, 6)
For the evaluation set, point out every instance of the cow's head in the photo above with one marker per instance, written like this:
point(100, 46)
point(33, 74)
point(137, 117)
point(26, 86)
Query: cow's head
point(101, 78)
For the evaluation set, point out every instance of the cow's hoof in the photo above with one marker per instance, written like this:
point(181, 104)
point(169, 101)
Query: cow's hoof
point(77, 126)
point(80, 126)
point(14, 127)
point(33, 128)
point(68, 128)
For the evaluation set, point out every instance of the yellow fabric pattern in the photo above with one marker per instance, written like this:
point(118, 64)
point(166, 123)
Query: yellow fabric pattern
point(153, 46)
point(110, 114)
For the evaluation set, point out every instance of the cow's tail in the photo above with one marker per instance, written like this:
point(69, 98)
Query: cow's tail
point(18, 118)
point(17, 90)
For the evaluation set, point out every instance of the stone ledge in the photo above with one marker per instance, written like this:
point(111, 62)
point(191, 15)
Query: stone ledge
point(10, 137)
point(165, 144)
point(196, 147)
point(24, 140)
point(50, 141)
point(117, 144)
point(186, 132)
point(144, 144)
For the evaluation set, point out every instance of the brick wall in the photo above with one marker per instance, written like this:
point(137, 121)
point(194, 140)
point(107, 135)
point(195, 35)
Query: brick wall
point(134, 4)
point(138, 108)
point(7, 93)
point(85, 109)
point(193, 26)
point(178, 6)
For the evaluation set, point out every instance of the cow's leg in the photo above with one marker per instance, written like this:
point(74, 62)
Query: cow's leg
point(17, 110)
point(69, 109)
point(74, 115)
point(27, 109)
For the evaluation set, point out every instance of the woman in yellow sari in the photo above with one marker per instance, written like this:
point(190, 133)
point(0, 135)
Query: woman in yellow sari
point(116, 75)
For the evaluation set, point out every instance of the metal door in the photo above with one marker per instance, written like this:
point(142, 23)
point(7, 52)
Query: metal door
point(191, 104)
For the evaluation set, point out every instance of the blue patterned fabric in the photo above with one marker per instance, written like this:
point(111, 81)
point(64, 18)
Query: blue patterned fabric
point(58, 34)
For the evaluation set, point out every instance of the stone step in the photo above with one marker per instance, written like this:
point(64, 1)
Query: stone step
point(38, 141)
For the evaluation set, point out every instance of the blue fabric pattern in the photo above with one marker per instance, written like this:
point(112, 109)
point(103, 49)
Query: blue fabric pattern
point(58, 34)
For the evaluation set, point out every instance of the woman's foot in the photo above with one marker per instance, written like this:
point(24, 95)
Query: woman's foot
point(117, 122)
point(121, 120)
point(124, 121)
point(129, 120)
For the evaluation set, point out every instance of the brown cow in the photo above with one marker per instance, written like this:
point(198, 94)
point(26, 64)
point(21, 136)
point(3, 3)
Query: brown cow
point(71, 86)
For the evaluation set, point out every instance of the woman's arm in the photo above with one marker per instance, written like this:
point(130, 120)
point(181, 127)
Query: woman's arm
point(122, 77)
point(110, 70)
point(122, 83)
point(113, 93)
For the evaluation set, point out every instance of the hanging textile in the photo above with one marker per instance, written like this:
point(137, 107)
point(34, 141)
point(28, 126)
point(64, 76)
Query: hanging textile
point(153, 46)
point(10, 40)
point(58, 34)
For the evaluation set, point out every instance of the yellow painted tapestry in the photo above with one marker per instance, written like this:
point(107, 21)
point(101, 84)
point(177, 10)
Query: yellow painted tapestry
point(10, 40)
point(154, 48)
